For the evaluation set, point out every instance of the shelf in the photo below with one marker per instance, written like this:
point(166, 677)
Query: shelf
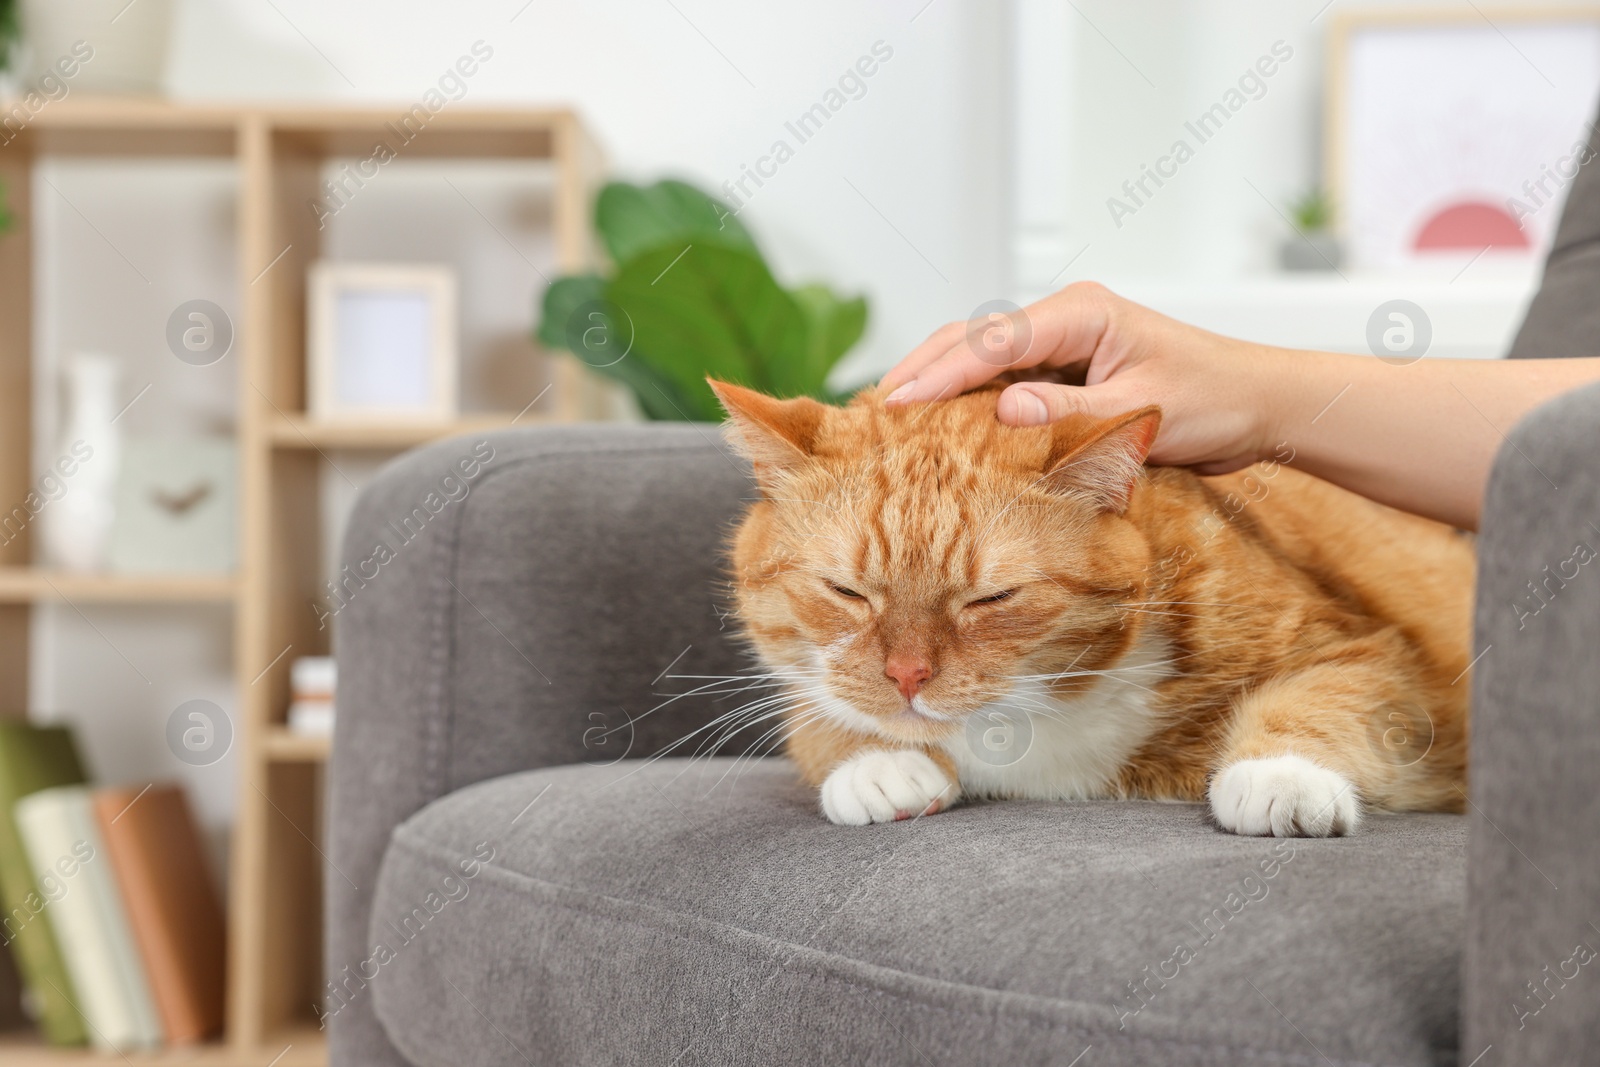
point(148, 126)
point(282, 746)
point(21, 585)
point(297, 432)
point(298, 1048)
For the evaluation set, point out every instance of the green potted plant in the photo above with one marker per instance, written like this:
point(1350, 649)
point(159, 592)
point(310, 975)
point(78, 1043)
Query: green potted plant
point(1313, 245)
point(687, 294)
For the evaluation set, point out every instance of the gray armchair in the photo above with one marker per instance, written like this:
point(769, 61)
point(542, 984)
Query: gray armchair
point(520, 886)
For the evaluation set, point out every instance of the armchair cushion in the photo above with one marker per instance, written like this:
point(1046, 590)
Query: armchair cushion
point(705, 913)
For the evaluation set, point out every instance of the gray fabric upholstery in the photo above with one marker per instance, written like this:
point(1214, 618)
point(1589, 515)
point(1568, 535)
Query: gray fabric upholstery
point(1534, 881)
point(1564, 319)
point(520, 627)
point(698, 913)
point(1534, 875)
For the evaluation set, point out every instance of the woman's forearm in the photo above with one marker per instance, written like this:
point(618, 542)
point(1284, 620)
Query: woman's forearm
point(1420, 437)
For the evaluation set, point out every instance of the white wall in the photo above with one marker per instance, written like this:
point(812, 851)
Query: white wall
point(1144, 68)
point(701, 88)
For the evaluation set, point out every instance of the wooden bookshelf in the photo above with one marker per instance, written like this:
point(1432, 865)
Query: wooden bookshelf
point(23, 585)
point(275, 905)
point(281, 746)
point(300, 1047)
point(307, 433)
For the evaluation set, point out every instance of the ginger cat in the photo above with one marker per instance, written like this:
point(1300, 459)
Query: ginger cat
point(962, 609)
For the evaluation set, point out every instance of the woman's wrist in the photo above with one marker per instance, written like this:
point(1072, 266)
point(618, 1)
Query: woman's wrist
point(1253, 390)
point(1290, 390)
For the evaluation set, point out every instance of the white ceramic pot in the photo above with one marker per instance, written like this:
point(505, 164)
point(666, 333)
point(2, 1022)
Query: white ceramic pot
point(129, 42)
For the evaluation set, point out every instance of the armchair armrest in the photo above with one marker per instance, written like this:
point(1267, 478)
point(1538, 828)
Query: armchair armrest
point(502, 598)
point(1531, 964)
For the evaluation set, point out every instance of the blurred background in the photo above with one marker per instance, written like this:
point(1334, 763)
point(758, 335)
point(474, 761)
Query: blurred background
point(218, 285)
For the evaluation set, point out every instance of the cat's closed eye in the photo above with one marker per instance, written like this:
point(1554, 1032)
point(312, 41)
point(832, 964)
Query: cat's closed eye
point(847, 593)
point(1004, 594)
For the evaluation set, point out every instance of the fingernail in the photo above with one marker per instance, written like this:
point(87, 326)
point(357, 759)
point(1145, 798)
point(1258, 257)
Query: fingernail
point(1031, 410)
point(902, 394)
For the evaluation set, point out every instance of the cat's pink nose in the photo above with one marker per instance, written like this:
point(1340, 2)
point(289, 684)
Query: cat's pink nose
point(908, 672)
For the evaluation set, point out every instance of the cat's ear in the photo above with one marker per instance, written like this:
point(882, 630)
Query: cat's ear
point(1103, 462)
point(774, 435)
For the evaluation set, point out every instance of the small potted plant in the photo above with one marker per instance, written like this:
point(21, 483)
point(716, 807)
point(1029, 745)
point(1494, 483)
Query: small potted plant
point(1313, 245)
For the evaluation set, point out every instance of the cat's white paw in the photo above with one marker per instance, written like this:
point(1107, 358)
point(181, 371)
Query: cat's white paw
point(1284, 796)
point(880, 786)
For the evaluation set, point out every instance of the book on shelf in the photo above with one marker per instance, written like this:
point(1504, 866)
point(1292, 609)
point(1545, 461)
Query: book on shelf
point(159, 861)
point(311, 685)
point(34, 758)
point(91, 923)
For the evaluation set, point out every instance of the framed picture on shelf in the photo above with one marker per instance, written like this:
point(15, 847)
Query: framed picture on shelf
point(381, 341)
point(1453, 135)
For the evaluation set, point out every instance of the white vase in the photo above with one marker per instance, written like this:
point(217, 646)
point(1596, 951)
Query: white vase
point(77, 527)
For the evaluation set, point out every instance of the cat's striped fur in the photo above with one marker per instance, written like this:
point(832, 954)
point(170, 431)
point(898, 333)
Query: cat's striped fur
point(1263, 640)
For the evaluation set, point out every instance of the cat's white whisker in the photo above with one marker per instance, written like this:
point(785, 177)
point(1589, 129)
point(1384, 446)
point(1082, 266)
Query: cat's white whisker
point(1172, 614)
point(794, 717)
point(757, 710)
point(701, 690)
point(753, 751)
point(1195, 603)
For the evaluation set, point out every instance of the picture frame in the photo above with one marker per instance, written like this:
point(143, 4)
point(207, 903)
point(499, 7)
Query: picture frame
point(382, 342)
point(1452, 134)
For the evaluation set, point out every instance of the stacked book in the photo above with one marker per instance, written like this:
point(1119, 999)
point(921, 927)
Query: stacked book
point(109, 909)
point(312, 681)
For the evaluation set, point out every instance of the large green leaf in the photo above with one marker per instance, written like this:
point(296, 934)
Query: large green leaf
point(576, 316)
point(658, 396)
point(706, 309)
point(834, 325)
point(563, 303)
point(634, 218)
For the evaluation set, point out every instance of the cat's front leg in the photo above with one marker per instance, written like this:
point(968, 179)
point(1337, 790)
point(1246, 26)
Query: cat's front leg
point(885, 785)
point(1296, 757)
point(861, 779)
point(1283, 796)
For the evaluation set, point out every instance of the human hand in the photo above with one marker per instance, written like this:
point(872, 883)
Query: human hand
point(1215, 393)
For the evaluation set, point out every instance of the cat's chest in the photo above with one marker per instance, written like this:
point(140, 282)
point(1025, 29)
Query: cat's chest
point(1034, 746)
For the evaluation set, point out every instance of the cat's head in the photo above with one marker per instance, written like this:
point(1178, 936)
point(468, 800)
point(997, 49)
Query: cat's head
point(908, 566)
